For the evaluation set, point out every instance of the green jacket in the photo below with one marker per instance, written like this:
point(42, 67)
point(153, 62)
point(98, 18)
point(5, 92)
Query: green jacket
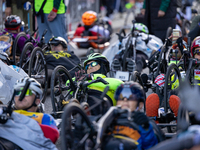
point(113, 84)
point(164, 5)
point(49, 5)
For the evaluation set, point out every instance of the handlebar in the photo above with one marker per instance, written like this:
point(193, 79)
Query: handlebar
point(99, 79)
point(24, 90)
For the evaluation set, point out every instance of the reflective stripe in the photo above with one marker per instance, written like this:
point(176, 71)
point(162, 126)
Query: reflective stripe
point(49, 6)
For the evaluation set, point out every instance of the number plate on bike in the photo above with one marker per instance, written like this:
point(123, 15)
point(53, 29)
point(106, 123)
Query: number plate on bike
point(124, 76)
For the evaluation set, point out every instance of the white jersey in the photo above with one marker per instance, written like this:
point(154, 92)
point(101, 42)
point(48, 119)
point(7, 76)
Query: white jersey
point(95, 30)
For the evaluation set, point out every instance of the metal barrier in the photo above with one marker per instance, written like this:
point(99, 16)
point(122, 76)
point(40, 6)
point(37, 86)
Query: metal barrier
point(1, 14)
point(76, 8)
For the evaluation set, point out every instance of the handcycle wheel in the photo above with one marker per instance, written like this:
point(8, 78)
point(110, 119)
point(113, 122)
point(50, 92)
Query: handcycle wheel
point(38, 69)
point(59, 90)
point(172, 70)
point(25, 56)
point(172, 73)
point(74, 119)
point(15, 51)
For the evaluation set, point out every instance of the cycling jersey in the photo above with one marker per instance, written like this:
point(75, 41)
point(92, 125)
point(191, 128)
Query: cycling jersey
point(112, 83)
point(44, 120)
point(94, 31)
point(143, 138)
point(26, 133)
point(67, 59)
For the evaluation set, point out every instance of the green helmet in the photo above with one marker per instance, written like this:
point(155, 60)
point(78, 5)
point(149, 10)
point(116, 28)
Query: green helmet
point(141, 27)
point(98, 57)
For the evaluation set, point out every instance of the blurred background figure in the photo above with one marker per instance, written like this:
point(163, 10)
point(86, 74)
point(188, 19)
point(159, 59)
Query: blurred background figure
point(18, 7)
point(159, 15)
point(51, 16)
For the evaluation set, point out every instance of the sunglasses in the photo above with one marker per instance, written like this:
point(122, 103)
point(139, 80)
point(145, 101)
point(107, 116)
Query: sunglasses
point(197, 52)
point(92, 64)
point(28, 92)
point(128, 94)
point(55, 44)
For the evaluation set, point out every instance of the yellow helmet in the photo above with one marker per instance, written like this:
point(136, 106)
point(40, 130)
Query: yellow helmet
point(89, 17)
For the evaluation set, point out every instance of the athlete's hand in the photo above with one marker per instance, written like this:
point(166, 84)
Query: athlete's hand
point(143, 11)
point(141, 119)
point(52, 15)
point(161, 13)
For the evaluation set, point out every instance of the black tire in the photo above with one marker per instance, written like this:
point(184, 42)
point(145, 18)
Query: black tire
point(14, 48)
point(166, 88)
point(25, 56)
point(59, 90)
point(38, 69)
point(67, 135)
point(177, 72)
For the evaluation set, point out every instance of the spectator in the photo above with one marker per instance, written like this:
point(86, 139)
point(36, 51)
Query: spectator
point(159, 15)
point(15, 7)
point(51, 16)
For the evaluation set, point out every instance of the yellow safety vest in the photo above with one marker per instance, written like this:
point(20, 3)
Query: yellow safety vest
point(49, 6)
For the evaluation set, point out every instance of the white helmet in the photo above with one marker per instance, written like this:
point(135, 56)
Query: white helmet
point(34, 85)
point(4, 56)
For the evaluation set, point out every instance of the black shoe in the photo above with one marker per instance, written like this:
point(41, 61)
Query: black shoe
point(130, 65)
point(116, 64)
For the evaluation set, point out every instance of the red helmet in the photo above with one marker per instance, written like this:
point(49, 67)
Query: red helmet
point(12, 22)
point(195, 44)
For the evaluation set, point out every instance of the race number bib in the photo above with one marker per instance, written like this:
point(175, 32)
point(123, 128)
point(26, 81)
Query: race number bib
point(124, 76)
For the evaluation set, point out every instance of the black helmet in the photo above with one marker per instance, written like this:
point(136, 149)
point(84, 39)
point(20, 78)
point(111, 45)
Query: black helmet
point(100, 58)
point(130, 88)
point(12, 22)
point(58, 40)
